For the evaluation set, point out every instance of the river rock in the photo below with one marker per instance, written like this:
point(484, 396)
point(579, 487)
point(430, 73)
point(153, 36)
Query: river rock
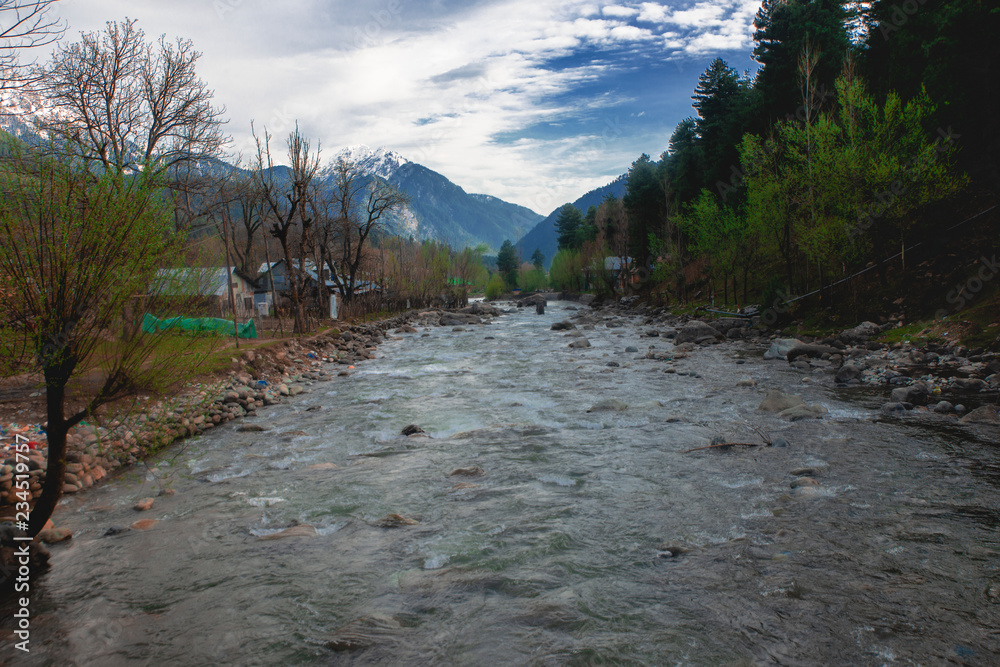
point(849, 373)
point(251, 428)
point(608, 405)
point(860, 333)
point(55, 535)
point(803, 411)
point(777, 401)
point(969, 384)
point(471, 471)
point(944, 407)
point(412, 429)
point(895, 408)
point(697, 332)
point(143, 505)
point(562, 326)
point(143, 524)
point(395, 521)
point(809, 350)
point(804, 481)
point(780, 347)
point(581, 343)
point(986, 414)
point(915, 393)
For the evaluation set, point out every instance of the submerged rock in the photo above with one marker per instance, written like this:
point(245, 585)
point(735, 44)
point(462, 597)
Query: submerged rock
point(302, 530)
point(412, 429)
point(778, 401)
point(471, 471)
point(581, 343)
point(395, 521)
point(803, 411)
point(608, 405)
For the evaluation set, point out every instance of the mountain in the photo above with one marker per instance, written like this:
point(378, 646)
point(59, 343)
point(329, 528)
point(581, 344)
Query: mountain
point(545, 237)
point(441, 210)
point(438, 208)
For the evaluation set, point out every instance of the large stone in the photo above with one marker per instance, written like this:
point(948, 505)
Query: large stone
point(562, 326)
point(987, 414)
point(848, 373)
point(970, 384)
point(697, 332)
point(915, 394)
point(143, 505)
point(395, 521)
point(780, 347)
point(861, 333)
point(797, 412)
point(581, 343)
point(778, 401)
point(608, 405)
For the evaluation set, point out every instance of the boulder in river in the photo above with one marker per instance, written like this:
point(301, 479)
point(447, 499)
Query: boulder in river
point(915, 393)
point(395, 521)
point(848, 373)
point(412, 429)
point(803, 411)
point(471, 471)
point(697, 332)
point(778, 401)
point(608, 405)
point(581, 343)
point(986, 414)
point(562, 326)
point(780, 347)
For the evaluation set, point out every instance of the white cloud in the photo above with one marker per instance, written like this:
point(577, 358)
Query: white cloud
point(619, 11)
point(437, 84)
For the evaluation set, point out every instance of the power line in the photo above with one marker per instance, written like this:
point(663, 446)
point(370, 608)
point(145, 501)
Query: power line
point(887, 259)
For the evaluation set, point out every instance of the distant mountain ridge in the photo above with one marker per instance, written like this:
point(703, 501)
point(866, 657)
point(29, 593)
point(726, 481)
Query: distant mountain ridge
point(544, 235)
point(438, 208)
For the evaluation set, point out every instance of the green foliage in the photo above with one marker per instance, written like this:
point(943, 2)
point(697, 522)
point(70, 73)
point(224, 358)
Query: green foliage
point(646, 204)
point(532, 278)
point(495, 288)
point(538, 259)
point(568, 225)
point(507, 263)
point(566, 273)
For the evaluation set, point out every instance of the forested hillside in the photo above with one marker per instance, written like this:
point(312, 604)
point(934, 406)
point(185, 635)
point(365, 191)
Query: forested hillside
point(867, 136)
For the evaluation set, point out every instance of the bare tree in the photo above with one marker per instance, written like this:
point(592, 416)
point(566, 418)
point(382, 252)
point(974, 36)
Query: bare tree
point(288, 202)
point(129, 104)
point(364, 205)
point(24, 24)
point(237, 211)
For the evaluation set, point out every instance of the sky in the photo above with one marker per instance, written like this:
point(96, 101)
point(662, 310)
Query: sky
point(532, 101)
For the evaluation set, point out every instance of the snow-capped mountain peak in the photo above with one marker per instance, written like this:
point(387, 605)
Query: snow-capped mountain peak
point(381, 162)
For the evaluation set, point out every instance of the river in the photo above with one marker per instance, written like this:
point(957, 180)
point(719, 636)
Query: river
point(558, 553)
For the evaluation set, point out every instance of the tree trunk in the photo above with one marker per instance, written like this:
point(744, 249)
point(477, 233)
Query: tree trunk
point(55, 468)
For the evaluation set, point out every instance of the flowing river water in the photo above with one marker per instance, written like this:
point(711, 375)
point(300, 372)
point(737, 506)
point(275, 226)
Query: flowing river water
point(557, 553)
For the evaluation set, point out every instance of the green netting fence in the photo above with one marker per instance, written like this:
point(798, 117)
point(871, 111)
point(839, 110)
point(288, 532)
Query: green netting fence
point(198, 325)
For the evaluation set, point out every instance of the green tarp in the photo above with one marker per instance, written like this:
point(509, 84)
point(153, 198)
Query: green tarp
point(213, 325)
